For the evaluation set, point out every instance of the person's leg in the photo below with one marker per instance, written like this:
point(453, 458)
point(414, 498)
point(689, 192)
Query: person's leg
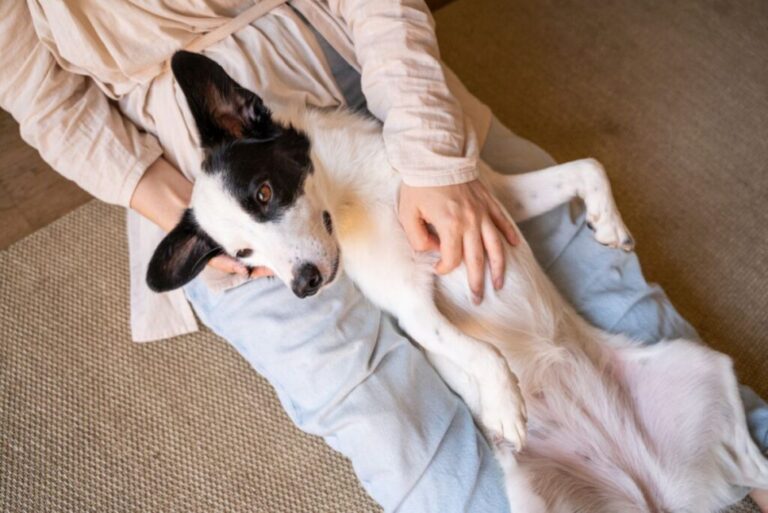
point(344, 372)
point(606, 286)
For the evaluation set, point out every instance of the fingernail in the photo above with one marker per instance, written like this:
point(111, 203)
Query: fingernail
point(477, 298)
point(242, 271)
point(498, 283)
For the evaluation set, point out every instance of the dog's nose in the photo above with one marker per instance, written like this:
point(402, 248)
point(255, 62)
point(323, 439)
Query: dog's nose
point(307, 281)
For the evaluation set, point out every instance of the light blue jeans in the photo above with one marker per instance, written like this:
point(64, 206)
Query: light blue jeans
point(342, 370)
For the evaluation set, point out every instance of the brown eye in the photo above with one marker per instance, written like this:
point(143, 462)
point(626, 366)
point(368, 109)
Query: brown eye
point(264, 194)
point(244, 253)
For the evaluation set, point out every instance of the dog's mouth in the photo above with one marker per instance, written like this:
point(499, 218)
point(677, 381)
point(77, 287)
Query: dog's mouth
point(334, 267)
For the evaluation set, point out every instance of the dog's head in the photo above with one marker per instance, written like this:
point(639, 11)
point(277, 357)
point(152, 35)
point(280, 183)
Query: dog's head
point(255, 199)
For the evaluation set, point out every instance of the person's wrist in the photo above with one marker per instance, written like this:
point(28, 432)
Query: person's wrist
point(162, 194)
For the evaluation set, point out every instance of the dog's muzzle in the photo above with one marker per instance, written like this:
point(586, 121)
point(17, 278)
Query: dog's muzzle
point(307, 281)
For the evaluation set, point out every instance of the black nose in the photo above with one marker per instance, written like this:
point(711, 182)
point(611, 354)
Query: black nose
point(307, 281)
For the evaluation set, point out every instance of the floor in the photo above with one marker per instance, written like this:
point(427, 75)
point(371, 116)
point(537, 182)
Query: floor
point(32, 195)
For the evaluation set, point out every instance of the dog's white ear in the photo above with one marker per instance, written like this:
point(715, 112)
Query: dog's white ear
point(223, 110)
point(181, 255)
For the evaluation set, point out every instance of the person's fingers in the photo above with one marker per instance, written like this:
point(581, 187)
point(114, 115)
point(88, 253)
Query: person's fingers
point(494, 247)
point(450, 246)
point(261, 272)
point(502, 222)
point(229, 265)
point(474, 259)
point(416, 231)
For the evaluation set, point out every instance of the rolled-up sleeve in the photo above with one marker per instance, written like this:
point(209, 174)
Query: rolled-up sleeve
point(66, 117)
point(428, 138)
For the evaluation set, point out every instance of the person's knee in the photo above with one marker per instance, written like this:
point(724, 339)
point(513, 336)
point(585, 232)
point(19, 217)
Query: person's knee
point(462, 474)
point(508, 153)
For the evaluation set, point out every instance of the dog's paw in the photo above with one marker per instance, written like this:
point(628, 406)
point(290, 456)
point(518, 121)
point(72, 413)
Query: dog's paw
point(503, 415)
point(603, 215)
point(610, 230)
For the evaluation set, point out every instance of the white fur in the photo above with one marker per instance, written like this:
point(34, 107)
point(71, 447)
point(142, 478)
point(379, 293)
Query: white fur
point(612, 426)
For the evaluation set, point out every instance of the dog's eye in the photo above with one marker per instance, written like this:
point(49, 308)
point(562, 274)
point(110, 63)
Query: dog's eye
point(264, 194)
point(244, 253)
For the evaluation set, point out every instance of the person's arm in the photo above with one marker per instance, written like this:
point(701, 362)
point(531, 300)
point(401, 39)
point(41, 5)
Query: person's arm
point(82, 135)
point(162, 194)
point(66, 117)
point(427, 137)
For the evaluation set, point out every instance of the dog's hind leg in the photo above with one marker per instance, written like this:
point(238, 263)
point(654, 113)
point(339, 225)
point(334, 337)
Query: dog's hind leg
point(749, 467)
point(530, 194)
point(686, 397)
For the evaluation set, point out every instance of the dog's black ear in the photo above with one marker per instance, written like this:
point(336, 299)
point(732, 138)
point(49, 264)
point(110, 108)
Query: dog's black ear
point(181, 255)
point(222, 109)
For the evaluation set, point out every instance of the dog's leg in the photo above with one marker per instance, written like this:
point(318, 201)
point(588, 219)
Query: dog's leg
point(520, 492)
point(392, 278)
point(530, 194)
point(751, 466)
point(688, 393)
point(496, 400)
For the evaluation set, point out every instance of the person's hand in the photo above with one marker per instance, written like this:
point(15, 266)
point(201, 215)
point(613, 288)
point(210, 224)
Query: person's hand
point(229, 265)
point(161, 196)
point(761, 499)
point(468, 224)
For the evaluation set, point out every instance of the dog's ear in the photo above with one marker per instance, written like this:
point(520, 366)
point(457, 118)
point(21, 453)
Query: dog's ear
point(222, 109)
point(181, 255)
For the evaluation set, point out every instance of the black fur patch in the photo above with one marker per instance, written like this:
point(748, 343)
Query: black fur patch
point(222, 108)
point(240, 138)
point(245, 165)
point(327, 222)
point(181, 255)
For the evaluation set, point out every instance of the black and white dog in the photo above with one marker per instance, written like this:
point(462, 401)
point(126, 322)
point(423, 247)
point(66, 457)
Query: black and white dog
point(612, 426)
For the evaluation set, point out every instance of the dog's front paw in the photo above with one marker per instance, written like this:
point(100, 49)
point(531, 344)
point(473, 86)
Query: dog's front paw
point(610, 230)
point(503, 415)
point(603, 215)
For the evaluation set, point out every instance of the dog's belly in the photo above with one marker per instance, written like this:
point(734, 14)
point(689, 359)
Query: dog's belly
point(633, 432)
point(613, 426)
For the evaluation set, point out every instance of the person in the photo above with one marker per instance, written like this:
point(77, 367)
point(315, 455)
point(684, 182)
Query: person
point(91, 91)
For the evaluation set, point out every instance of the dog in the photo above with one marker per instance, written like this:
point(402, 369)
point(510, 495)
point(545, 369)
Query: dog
point(580, 420)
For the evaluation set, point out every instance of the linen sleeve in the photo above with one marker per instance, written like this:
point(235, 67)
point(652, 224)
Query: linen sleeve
point(427, 136)
point(66, 117)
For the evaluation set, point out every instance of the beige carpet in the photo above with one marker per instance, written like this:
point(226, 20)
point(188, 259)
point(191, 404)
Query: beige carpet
point(671, 97)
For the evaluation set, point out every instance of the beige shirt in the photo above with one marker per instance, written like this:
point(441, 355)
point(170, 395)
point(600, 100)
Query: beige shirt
point(85, 81)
